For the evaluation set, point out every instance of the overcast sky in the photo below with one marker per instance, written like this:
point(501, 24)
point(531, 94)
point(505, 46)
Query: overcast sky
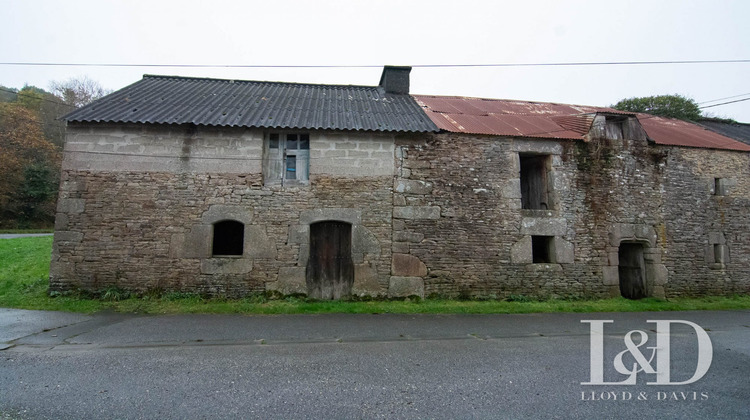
point(400, 32)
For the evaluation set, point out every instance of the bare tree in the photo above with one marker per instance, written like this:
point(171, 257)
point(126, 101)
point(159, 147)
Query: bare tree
point(78, 91)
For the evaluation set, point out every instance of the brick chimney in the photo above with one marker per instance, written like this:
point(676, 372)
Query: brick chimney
point(395, 79)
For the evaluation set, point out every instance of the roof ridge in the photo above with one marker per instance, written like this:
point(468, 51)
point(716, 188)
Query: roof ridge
point(598, 108)
point(162, 76)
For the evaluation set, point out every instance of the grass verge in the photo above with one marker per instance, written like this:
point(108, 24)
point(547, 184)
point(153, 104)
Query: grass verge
point(24, 270)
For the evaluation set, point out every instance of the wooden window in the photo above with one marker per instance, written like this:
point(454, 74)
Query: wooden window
point(287, 158)
point(534, 185)
point(613, 127)
point(229, 238)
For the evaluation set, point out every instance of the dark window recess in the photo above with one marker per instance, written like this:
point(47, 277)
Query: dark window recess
point(632, 271)
point(719, 254)
point(534, 188)
point(719, 186)
point(542, 249)
point(273, 141)
point(291, 141)
point(229, 238)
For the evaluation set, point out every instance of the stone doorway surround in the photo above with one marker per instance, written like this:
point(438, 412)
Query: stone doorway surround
point(365, 250)
point(656, 272)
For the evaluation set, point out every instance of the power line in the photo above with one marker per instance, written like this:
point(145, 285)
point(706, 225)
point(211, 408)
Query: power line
point(721, 99)
point(558, 64)
point(724, 103)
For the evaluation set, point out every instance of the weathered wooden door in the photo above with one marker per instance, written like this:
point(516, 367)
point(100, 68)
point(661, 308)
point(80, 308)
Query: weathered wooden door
point(534, 182)
point(330, 270)
point(632, 271)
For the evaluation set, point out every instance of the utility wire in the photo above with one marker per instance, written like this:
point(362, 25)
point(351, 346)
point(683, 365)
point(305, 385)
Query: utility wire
point(583, 63)
point(724, 103)
point(721, 99)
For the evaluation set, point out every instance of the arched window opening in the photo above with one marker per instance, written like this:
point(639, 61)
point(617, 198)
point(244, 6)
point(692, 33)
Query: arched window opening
point(229, 238)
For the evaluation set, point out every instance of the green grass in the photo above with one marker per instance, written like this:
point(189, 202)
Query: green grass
point(24, 273)
point(24, 269)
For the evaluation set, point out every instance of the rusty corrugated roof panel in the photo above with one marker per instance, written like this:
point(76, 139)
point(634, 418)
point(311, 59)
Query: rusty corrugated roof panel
point(507, 118)
point(673, 132)
point(580, 124)
point(238, 103)
point(559, 121)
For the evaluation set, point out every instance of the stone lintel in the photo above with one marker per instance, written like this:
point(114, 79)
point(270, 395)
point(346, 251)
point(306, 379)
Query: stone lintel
point(543, 226)
point(352, 216)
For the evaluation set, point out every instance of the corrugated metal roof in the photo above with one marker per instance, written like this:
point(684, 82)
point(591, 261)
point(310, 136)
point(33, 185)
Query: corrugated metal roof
point(239, 103)
point(737, 131)
point(682, 133)
point(508, 118)
point(559, 121)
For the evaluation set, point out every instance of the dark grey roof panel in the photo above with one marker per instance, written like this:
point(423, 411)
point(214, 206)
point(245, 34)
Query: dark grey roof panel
point(737, 131)
point(235, 103)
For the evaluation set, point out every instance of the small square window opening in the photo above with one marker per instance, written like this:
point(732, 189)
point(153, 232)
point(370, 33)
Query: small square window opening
point(229, 238)
point(543, 249)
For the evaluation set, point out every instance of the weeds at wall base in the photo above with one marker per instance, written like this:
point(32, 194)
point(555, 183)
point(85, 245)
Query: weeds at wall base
point(155, 302)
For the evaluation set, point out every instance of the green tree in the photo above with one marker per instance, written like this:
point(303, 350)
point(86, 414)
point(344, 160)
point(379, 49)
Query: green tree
point(36, 196)
point(23, 146)
point(672, 106)
point(30, 98)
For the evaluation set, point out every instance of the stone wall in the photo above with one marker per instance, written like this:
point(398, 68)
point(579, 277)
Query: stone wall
point(458, 217)
point(129, 219)
point(437, 214)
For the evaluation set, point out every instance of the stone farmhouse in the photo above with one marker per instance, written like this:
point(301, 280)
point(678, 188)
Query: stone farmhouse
point(229, 187)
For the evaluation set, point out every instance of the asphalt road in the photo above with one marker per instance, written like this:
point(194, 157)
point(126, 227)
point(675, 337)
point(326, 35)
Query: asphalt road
point(22, 235)
point(65, 366)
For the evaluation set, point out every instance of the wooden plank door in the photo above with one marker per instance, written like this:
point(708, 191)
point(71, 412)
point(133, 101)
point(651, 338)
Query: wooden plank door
point(330, 270)
point(632, 271)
